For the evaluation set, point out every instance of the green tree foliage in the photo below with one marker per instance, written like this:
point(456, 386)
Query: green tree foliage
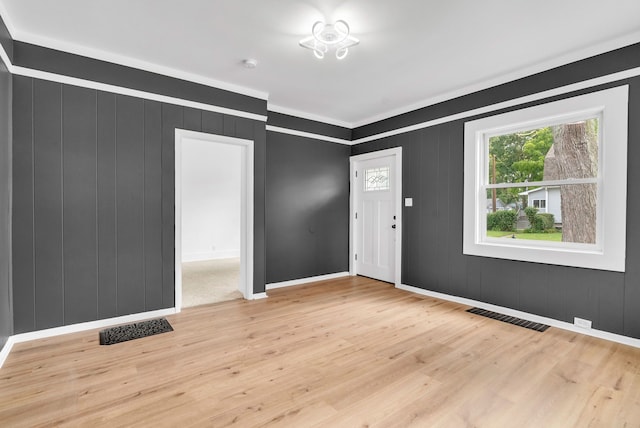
point(519, 158)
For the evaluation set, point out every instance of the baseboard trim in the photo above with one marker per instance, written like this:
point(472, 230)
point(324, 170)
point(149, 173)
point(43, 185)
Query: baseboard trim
point(76, 328)
point(258, 296)
point(305, 280)
point(6, 349)
point(618, 338)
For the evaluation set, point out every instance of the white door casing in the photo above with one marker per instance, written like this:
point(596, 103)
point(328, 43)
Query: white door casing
point(246, 209)
point(376, 216)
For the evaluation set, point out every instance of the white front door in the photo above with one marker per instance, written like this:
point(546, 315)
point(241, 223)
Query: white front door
point(375, 218)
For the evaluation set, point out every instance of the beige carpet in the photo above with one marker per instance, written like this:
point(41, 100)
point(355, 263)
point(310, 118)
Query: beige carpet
point(210, 281)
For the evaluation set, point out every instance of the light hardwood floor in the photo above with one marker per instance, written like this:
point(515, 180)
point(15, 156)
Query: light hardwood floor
point(343, 353)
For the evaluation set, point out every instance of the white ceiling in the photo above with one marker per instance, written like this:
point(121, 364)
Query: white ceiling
point(412, 52)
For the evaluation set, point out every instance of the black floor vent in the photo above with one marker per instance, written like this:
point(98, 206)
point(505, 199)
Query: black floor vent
point(136, 330)
point(511, 320)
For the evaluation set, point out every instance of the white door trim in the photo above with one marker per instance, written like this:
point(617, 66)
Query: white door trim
point(246, 209)
point(397, 154)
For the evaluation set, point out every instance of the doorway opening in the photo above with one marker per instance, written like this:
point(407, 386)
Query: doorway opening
point(213, 218)
point(375, 239)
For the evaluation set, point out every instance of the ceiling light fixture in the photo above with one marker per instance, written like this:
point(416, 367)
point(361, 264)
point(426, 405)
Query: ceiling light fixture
point(325, 37)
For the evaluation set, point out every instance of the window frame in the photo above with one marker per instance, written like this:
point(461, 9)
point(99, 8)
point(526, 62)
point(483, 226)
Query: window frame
point(608, 253)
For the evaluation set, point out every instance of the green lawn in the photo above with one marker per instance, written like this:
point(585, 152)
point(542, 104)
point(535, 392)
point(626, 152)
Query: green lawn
point(557, 237)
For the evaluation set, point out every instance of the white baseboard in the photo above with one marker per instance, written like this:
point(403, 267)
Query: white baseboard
point(75, 328)
point(257, 296)
point(213, 255)
point(4, 353)
point(625, 340)
point(305, 280)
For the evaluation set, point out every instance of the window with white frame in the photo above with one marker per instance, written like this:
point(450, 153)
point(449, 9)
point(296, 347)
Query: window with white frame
point(560, 168)
point(541, 203)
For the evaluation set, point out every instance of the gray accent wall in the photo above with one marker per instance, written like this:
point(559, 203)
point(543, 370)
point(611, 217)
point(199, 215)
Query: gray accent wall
point(607, 63)
point(6, 312)
point(5, 39)
point(93, 201)
point(432, 235)
point(307, 207)
point(67, 64)
point(306, 125)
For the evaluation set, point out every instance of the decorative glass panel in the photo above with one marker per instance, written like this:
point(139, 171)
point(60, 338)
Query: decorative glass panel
point(376, 179)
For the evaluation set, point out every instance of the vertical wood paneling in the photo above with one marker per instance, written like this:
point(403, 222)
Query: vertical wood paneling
point(79, 129)
point(307, 199)
point(581, 292)
point(6, 315)
point(498, 282)
point(244, 128)
point(632, 275)
point(411, 215)
point(474, 277)
point(171, 119)
point(428, 201)
point(93, 177)
point(433, 176)
point(610, 297)
point(22, 221)
point(153, 204)
point(444, 216)
point(212, 122)
point(106, 188)
point(130, 203)
point(48, 160)
point(457, 273)
point(259, 229)
point(192, 119)
point(556, 307)
point(229, 126)
point(532, 281)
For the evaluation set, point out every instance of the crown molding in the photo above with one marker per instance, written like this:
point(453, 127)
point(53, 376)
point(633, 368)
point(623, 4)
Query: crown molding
point(585, 84)
point(540, 67)
point(126, 61)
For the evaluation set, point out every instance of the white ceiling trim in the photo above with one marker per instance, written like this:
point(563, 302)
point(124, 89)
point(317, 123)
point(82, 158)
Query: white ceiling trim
point(308, 135)
point(7, 21)
point(140, 65)
point(124, 60)
point(504, 78)
point(634, 72)
point(38, 74)
point(574, 56)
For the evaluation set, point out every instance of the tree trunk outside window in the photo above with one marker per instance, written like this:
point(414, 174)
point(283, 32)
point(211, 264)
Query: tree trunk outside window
point(575, 149)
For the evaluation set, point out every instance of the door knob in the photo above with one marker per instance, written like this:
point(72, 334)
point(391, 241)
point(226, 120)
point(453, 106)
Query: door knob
point(393, 226)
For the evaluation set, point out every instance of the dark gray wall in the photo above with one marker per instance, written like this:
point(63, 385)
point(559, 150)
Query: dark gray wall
point(6, 316)
point(432, 234)
point(307, 125)
point(5, 39)
point(611, 62)
point(93, 201)
point(67, 64)
point(307, 207)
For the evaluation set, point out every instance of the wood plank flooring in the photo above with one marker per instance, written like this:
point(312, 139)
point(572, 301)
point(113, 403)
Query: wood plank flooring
point(350, 352)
